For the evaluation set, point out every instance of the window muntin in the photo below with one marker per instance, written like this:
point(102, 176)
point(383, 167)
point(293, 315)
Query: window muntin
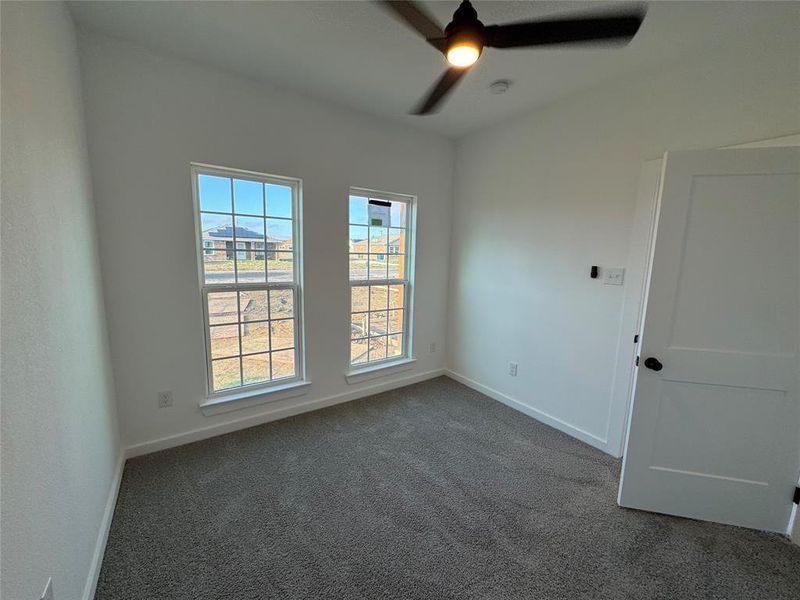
point(380, 260)
point(249, 277)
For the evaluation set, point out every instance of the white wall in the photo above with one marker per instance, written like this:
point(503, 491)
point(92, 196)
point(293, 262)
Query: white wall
point(541, 198)
point(148, 117)
point(60, 448)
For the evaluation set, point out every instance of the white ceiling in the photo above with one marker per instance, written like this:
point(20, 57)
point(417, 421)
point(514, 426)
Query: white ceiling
point(355, 54)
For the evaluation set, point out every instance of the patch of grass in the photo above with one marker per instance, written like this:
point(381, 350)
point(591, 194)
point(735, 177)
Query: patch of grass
point(249, 265)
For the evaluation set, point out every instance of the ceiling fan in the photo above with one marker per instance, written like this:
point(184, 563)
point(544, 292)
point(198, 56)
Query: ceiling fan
point(465, 37)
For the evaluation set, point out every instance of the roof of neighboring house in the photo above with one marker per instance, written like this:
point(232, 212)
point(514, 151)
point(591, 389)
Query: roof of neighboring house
point(380, 238)
point(226, 231)
point(394, 240)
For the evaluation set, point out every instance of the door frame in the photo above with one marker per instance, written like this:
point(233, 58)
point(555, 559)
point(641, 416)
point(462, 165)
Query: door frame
point(638, 269)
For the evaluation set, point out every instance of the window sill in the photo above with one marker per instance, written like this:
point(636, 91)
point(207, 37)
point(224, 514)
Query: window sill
point(239, 400)
point(381, 370)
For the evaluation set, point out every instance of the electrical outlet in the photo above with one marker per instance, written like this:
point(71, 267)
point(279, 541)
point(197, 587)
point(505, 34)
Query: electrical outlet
point(165, 399)
point(47, 594)
point(512, 369)
point(433, 347)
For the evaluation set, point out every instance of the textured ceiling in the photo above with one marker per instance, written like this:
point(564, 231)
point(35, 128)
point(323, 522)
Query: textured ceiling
point(355, 54)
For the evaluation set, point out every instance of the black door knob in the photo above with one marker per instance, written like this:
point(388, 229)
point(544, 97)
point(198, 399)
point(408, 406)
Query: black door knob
point(653, 363)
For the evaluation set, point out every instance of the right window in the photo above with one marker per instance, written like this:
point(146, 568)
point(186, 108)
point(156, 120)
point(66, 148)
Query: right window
point(381, 261)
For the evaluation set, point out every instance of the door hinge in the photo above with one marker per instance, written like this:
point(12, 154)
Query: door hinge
point(637, 361)
point(796, 498)
point(636, 338)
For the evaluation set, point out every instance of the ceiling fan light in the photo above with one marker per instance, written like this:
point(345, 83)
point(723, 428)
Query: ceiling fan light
point(463, 55)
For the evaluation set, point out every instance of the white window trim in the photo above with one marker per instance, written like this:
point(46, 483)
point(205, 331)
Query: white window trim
point(389, 366)
point(380, 369)
point(246, 399)
point(270, 391)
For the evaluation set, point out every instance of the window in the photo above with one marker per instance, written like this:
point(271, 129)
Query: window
point(251, 298)
point(380, 276)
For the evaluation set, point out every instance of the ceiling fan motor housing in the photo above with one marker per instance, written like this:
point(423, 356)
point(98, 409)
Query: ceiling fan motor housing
point(465, 28)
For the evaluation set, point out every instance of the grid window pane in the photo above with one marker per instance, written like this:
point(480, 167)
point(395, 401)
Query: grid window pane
point(217, 236)
point(281, 304)
point(255, 337)
point(247, 242)
point(280, 267)
point(396, 296)
point(282, 334)
point(358, 325)
point(255, 368)
point(397, 214)
point(214, 193)
point(226, 374)
point(279, 200)
point(279, 234)
point(359, 239)
point(359, 298)
point(358, 267)
point(253, 305)
point(395, 324)
point(249, 266)
point(248, 197)
point(378, 266)
point(249, 230)
point(377, 348)
point(283, 364)
point(358, 210)
point(358, 351)
point(218, 270)
point(222, 308)
point(397, 241)
point(377, 322)
point(378, 297)
point(394, 346)
point(378, 240)
point(396, 267)
point(224, 341)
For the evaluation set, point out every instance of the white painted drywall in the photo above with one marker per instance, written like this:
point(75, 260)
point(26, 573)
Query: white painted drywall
point(148, 116)
point(540, 199)
point(60, 448)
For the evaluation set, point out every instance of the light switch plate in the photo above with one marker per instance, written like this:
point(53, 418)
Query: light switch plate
point(613, 276)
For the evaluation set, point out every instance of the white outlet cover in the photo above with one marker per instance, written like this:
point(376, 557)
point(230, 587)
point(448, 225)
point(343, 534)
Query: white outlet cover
point(613, 276)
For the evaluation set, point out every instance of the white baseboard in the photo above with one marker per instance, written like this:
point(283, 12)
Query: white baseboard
point(537, 414)
point(102, 535)
point(274, 414)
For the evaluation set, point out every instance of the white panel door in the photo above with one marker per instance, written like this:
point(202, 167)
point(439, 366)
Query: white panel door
point(715, 427)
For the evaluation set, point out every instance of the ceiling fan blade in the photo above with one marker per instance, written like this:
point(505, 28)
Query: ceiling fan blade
point(419, 20)
point(438, 92)
point(564, 31)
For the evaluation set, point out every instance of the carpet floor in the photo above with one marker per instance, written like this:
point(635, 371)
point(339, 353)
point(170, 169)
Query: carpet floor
point(432, 491)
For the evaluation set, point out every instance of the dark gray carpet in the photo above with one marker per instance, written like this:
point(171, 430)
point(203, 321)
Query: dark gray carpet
point(432, 491)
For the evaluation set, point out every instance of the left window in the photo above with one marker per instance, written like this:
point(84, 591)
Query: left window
point(248, 255)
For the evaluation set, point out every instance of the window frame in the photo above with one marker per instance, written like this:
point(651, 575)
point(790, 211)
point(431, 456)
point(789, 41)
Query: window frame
point(296, 286)
point(408, 282)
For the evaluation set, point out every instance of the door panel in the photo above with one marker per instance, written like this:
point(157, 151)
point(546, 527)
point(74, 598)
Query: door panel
point(715, 434)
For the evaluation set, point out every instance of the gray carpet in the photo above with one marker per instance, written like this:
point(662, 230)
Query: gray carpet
point(432, 491)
